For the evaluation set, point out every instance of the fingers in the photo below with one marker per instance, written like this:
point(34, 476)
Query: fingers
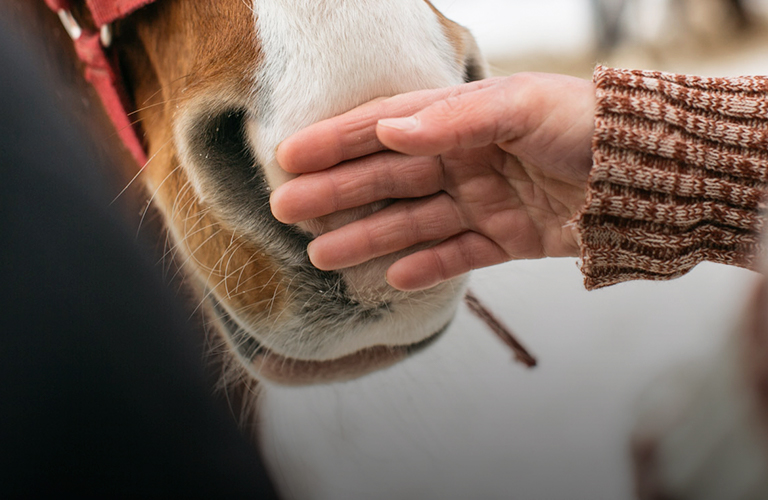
point(394, 228)
point(353, 184)
point(446, 260)
point(353, 134)
point(468, 120)
point(332, 141)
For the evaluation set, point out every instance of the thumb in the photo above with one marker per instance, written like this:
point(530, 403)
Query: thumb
point(470, 120)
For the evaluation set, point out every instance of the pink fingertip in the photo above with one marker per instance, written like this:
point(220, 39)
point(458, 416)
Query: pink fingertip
point(316, 258)
point(278, 157)
point(277, 205)
point(409, 284)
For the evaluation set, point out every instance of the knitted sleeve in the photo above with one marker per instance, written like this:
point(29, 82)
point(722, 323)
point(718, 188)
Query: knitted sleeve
point(680, 170)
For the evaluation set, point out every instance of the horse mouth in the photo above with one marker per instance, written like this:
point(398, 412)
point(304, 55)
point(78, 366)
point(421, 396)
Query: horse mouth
point(267, 365)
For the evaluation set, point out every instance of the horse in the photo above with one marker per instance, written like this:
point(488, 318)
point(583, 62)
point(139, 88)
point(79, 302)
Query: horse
point(211, 89)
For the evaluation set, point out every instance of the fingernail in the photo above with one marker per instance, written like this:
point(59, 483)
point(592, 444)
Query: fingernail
point(277, 152)
point(275, 213)
point(402, 124)
point(310, 253)
point(312, 256)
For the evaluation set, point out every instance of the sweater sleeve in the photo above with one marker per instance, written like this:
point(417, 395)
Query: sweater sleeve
point(680, 165)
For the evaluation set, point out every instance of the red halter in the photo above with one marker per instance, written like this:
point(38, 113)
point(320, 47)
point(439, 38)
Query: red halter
point(99, 69)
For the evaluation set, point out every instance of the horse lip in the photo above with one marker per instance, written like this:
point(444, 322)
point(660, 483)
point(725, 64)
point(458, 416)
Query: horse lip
point(282, 370)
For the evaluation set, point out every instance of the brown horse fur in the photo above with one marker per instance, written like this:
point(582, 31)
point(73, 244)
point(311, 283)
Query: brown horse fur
point(177, 54)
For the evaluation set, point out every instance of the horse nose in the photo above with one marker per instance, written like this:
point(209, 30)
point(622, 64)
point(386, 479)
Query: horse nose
point(330, 222)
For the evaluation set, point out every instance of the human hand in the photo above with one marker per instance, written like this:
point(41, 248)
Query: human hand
point(491, 171)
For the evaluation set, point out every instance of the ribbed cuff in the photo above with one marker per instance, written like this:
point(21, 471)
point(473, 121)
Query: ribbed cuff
point(679, 173)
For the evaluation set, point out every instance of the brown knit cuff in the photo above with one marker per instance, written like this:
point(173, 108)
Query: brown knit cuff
point(680, 169)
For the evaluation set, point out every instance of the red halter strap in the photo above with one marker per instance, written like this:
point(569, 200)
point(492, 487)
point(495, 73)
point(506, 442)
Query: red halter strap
point(99, 69)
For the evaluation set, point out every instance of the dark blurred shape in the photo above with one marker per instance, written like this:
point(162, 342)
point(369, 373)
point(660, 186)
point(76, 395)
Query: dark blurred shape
point(739, 13)
point(611, 20)
point(103, 389)
point(608, 15)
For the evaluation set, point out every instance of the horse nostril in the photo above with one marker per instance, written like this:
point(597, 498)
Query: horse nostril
point(220, 159)
point(221, 140)
point(473, 70)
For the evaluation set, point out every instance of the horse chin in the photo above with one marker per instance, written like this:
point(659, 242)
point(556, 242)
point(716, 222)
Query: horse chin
point(271, 367)
point(222, 90)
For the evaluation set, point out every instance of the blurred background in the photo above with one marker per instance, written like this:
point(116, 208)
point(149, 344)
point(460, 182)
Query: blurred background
point(462, 420)
point(570, 36)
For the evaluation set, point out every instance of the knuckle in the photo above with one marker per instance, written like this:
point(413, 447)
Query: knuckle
point(335, 197)
point(415, 177)
point(413, 221)
point(389, 182)
point(466, 254)
point(444, 112)
point(373, 240)
point(438, 263)
point(438, 167)
point(386, 236)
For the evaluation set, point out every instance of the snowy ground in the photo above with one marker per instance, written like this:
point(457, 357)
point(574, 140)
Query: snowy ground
point(463, 421)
